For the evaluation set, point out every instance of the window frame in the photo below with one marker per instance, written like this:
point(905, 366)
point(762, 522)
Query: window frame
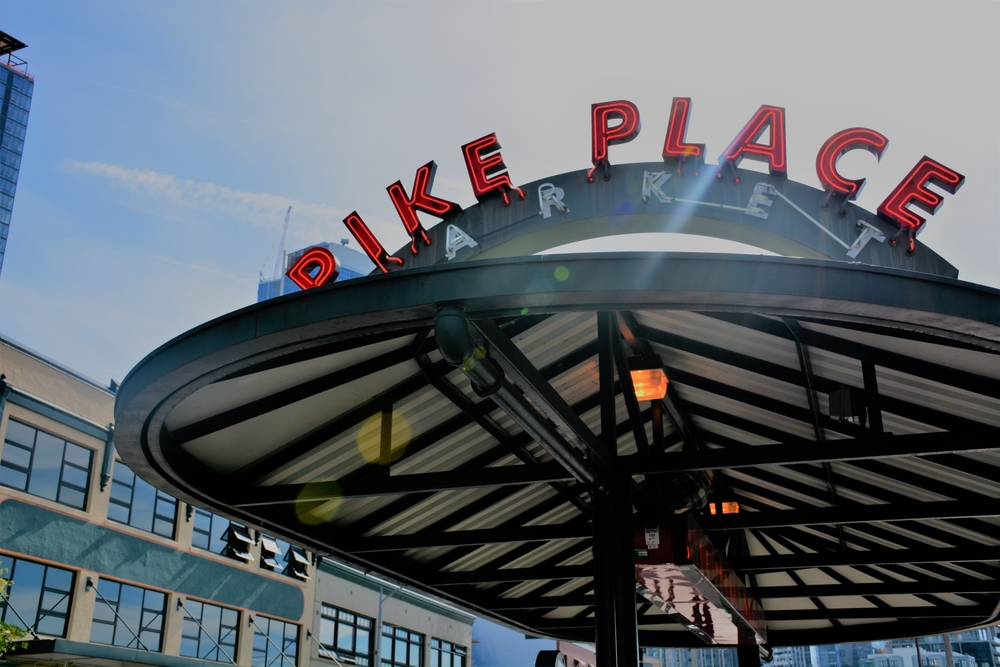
point(259, 631)
point(159, 498)
point(396, 635)
point(10, 564)
point(333, 618)
point(219, 646)
point(442, 648)
point(27, 472)
point(116, 621)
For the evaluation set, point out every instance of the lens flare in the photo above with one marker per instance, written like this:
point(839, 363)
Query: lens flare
point(318, 502)
point(562, 273)
point(370, 439)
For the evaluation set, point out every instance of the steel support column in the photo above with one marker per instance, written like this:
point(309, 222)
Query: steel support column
point(748, 655)
point(614, 591)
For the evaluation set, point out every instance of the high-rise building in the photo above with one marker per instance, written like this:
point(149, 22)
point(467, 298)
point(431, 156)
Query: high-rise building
point(791, 656)
point(352, 263)
point(16, 86)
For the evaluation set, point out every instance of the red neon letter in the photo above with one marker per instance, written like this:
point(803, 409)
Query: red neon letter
point(913, 190)
point(835, 148)
point(422, 200)
point(319, 259)
point(603, 136)
point(486, 168)
point(673, 145)
point(745, 144)
point(368, 242)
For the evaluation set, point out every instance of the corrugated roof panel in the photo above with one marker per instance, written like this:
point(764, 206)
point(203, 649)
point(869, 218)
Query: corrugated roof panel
point(746, 479)
point(738, 409)
point(818, 482)
point(938, 396)
point(786, 604)
point(733, 376)
point(420, 412)
point(557, 336)
point(963, 481)
point(847, 602)
point(338, 456)
point(835, 367)
point(545, 551)
point(887, 483)
point(965, 533)
point(225, 395)
point(352, 510)
point(903, 426)
point(707, 427)
point(428, 511)
point(727, 335)
point(229, 449)
point(480, 557)
point(579, 382)
point(524, 588)
point(557, 515)
point(448, 453)
point(572, 585)
point(971, 361)
point(580, 558)
point(917, 538)
point(565, 612)
point(510, 507)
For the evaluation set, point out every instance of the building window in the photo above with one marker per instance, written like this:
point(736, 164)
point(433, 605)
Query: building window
point(39, 596)
point(139, 504)
point(446, 654)
point(222, 536)
point(348, 635)
point(401, 648)
point(44, 465)
point(139, 611)
point(209, 632)
point(209, 531)
point(275, 643)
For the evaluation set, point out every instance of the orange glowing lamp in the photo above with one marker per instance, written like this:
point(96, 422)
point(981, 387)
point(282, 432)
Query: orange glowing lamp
point(728, 507)
point(650, 384)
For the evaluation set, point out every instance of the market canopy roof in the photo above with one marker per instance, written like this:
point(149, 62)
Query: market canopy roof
point(329, 417)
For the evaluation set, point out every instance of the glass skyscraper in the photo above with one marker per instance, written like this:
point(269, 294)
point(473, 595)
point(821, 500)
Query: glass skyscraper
point(16, 86)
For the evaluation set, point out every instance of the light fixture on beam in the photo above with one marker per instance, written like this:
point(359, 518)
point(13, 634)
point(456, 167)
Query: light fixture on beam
point(727, 506)
point(649, 380)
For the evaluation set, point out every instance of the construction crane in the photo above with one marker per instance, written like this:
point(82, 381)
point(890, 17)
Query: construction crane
point(280, 259)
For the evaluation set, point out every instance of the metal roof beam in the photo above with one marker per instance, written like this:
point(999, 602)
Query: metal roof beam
point(885, 446)
point(872, 557)
point(509, 535)
point(365, 487)
point(840, 515)
point(491, 575)
point(542, 395)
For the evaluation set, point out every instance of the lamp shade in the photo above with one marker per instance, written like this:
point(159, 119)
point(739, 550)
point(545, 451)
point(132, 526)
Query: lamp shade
point(650, 384)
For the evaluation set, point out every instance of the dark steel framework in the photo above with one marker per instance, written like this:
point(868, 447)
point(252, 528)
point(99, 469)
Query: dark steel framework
point(847, 531)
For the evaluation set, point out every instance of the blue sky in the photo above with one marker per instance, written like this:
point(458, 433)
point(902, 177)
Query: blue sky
point(166, 139)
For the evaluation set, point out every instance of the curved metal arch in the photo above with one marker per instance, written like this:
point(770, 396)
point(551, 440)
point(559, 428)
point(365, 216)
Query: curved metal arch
point(760, 210)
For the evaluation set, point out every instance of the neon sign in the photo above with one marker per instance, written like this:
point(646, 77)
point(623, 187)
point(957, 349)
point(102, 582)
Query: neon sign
point(763, 139)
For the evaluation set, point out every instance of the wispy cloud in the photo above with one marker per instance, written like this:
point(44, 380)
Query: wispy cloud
point(314, 221)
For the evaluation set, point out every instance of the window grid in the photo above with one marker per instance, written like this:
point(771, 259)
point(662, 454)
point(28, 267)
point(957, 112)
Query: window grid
point(141, 611)
point(217, 623)
point(137, 503)
point(281, 635)
point(447, 654)
point(45, 466)
point(209, 531)
point(40, 594)
point(401, 648)
point(347, 634)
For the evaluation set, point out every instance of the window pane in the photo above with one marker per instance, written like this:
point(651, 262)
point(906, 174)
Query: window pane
point(39, 593)
point(46, 466)
point(16, 455)
point(78, 455)
point(20, 433)
point(14, 478)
